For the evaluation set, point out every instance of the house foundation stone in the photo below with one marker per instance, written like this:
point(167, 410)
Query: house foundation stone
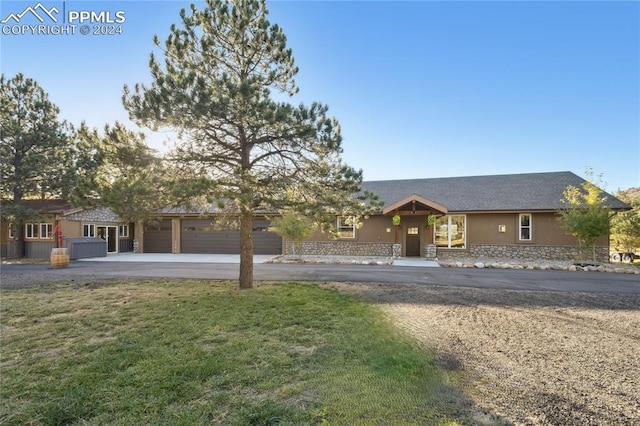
point(338, 248)
point(524, 253)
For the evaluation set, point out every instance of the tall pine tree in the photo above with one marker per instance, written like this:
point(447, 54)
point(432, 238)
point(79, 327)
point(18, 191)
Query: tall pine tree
point(128, 177)
point(38, 154)
point(220, 67)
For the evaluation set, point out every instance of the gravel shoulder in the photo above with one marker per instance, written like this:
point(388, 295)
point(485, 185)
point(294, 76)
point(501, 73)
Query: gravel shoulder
point(528, 358)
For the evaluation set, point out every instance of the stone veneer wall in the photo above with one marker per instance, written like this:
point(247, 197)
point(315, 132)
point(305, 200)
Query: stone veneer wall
point(523, 252)
point(339, 248)
point(97, 214)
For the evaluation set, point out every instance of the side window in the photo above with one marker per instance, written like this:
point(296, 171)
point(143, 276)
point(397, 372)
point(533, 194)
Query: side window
point(31, 230)
point(525, 226)
point(89, 230)
point(46, 230)
point(346, 227)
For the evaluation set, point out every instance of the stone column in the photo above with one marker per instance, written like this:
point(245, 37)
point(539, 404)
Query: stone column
point(430, 251)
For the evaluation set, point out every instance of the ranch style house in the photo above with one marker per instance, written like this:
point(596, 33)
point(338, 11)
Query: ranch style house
point(500, 216)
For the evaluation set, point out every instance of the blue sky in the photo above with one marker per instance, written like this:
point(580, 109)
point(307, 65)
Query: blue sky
point(421, 89)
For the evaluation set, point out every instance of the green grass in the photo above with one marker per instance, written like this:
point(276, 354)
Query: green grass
point(197, 352)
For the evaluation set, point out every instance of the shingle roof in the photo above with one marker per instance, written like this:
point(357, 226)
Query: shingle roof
point(45, 206)
point(517, 192)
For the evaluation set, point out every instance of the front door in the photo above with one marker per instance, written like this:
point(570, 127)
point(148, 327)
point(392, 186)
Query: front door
point(110, 235)
point(413, 241)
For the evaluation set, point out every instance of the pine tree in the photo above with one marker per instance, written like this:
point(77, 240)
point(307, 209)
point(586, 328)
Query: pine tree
point(128, 177)
point(250, 152)
point(38, 157)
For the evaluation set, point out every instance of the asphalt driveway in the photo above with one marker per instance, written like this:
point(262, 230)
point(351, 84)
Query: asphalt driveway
point(548, 280)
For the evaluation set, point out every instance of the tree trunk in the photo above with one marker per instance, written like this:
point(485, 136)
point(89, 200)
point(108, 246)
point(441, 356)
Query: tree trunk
point(18, 242)
point(246, 250)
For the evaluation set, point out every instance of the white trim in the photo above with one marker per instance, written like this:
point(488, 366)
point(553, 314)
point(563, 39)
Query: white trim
point(30, 227)
point(521, 227)
point(91, 228)
point(48, 231)
point(449, 226)
point(344, 227)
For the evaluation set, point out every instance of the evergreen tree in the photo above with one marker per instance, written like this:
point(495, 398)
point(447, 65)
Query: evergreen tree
point(247, 151)
point(128, 177)
point(38, 155)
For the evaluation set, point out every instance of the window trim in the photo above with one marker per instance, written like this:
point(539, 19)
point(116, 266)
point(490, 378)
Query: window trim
point(91, 227)
point(28, 231)
point(48, 231)
point(343, 227)
point(122, 228)
point(529, 227)
point(30, 227)
point(464, 233)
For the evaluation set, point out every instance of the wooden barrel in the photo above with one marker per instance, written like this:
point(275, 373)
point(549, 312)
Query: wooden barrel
point(59, 257)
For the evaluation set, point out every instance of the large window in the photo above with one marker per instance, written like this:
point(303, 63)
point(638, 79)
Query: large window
point(38, 230)
point(346, 227)
point(450, 231)
point(525, 226)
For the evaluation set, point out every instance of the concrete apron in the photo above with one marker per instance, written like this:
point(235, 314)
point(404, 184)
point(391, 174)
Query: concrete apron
point(416, 261)
point(175, 258)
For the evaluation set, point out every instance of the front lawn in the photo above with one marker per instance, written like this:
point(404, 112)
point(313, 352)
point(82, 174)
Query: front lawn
point(198, 352)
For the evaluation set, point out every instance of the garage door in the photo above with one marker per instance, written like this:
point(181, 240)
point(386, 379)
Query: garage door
point(157, 238)
point(208, 236)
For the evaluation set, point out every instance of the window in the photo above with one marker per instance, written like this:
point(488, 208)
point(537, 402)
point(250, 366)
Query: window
point(89, 230)
point(46, 230)
point(11, 231)
point(38, 230)
point(450, 231)
point(525, 227)
point(31, 230)
point(123, 231)
point(413, 231)
point(346, 227)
